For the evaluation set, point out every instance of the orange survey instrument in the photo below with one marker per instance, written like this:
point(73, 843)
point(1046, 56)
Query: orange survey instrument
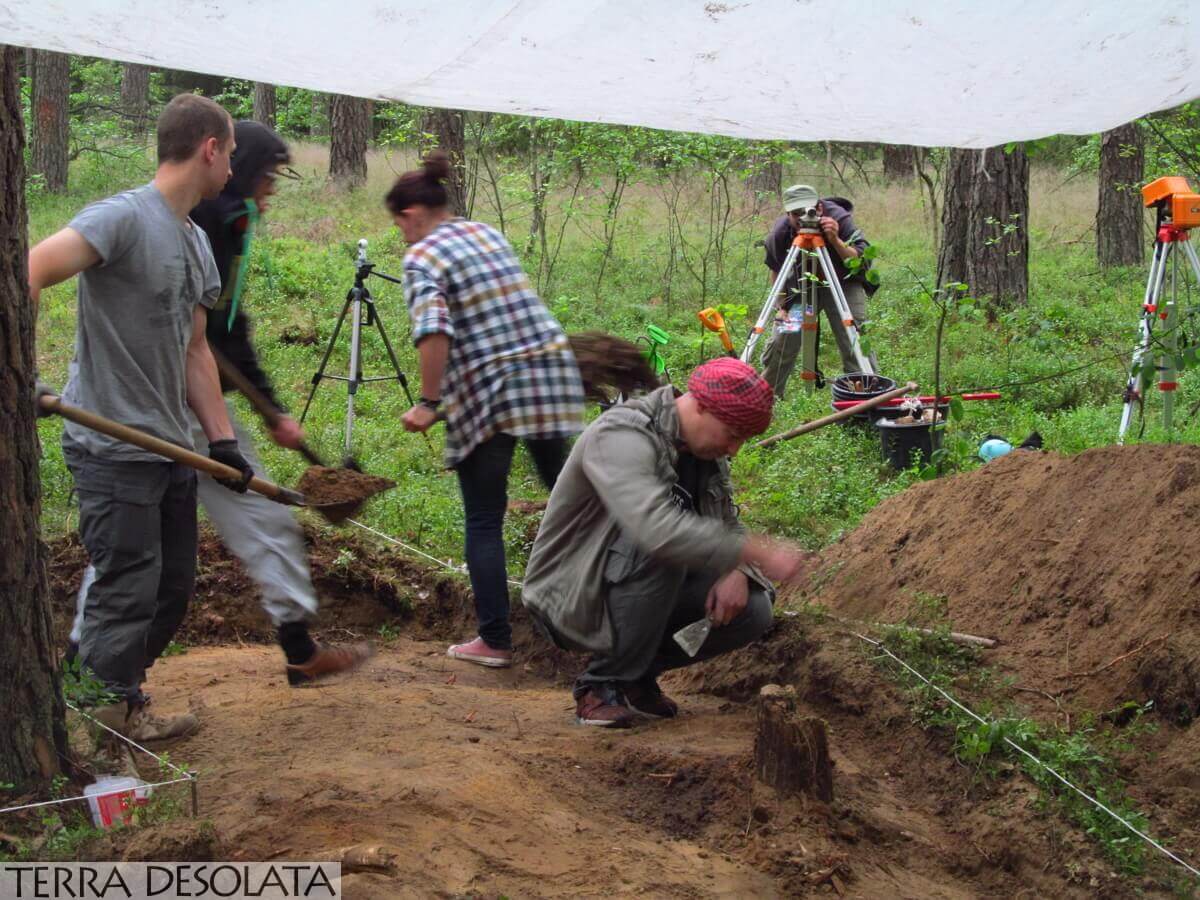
point(712, 319)
point(1179, 204)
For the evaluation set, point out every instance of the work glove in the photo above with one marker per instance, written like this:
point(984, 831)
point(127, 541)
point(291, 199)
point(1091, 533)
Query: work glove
point(38, 391)
point(227, 452)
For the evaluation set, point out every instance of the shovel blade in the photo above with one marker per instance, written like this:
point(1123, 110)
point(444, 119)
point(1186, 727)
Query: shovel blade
point(691, 638)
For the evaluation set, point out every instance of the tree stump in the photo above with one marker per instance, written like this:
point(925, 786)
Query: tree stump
point(791, 752)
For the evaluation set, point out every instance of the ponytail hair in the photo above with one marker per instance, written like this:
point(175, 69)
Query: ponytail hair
point(421, 187)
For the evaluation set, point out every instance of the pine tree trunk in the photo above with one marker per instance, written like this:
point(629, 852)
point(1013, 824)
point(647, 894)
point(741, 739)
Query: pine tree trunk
point(135, 98)
point(32, 728)
point(985, 218)
point(952, 255)
point(51, 130)
point(264, 104)
point(899, 162)
point(1119, 219)
point(446, 126)
point(349, 132)
point(998, 240)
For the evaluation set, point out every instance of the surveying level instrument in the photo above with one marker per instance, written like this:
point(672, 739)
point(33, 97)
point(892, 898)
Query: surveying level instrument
point(816, 270)
point(360, 305)
point(1177, 212)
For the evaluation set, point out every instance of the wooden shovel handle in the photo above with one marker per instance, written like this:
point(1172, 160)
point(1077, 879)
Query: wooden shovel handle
point(54, 404)
point(837, 416)
point(268, 410)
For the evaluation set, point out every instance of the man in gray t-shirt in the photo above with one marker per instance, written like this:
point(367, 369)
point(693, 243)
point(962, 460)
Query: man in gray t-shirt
point(146, 279)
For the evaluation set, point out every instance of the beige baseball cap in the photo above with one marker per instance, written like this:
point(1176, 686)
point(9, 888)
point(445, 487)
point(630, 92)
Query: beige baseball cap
point(800, 196)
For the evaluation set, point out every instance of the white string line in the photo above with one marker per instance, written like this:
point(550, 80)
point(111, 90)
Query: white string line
point(444, 563)
point(140, 787)
point(1022, 750)
point(162, 762)
point(187, 776)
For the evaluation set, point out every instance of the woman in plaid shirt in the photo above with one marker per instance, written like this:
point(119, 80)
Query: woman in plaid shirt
point(497, 363)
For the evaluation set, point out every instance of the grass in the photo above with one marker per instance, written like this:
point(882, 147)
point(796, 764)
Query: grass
point(813, 489)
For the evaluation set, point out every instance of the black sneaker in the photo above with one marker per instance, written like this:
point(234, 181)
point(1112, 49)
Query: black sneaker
point(646, 697)
point(602, 705)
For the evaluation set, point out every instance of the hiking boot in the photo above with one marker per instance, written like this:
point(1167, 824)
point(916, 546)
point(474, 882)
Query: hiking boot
point(481, 654)
point(328, 660)
point(139, 724)
point(601, 705)
point(647, 698)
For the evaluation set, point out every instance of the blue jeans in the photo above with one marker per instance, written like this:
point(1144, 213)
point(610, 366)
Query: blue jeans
point(483, 480)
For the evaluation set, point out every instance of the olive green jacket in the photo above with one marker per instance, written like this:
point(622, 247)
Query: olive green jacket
point(618, 482)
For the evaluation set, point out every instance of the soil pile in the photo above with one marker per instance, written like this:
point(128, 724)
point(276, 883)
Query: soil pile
point(325, 486)
point(608, 363)
point(1084, 567)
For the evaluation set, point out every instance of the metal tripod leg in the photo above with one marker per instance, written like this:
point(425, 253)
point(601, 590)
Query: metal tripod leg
point(387, 345)
point(1154, 282)
point(768, 309)
point(843, 308)
point(810, 325)
point(316, 379)
point(355, 376)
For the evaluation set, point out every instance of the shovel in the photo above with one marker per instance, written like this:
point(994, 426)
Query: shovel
point(692, 637)
point(51, 403)
point(366, 485)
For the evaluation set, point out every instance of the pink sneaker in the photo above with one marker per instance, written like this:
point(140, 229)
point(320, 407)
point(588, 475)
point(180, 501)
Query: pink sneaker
point(481, 654)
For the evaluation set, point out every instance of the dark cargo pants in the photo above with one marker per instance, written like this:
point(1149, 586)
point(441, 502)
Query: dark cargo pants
point(138, 523)
point(648, 602)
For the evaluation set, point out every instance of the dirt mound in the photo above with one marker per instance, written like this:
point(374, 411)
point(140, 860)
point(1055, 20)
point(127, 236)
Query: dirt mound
point(325, 486)
point(1082, 566)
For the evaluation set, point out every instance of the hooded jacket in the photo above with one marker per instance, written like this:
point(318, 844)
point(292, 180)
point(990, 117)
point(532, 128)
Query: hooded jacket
point(227, 220)
point(779, 241)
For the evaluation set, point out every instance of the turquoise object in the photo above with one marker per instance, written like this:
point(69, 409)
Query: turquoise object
point(993, 448)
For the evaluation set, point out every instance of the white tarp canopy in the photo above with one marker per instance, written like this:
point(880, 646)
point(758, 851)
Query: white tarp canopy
point(967, 73)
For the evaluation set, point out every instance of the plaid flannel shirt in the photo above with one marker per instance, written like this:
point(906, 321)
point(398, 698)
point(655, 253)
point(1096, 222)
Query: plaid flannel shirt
point(510, 369)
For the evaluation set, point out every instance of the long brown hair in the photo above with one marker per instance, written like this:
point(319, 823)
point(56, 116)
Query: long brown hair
point(421, 187)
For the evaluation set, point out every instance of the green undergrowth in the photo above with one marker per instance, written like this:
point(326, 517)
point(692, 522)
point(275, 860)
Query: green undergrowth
point(1083, 754)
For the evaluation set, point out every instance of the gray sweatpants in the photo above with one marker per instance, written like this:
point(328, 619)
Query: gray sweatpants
point(648, 602)
point(779, 357)
point(263, 534)
point(138, 523)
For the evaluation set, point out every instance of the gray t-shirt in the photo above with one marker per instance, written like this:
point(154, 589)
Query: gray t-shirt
point(135, 320)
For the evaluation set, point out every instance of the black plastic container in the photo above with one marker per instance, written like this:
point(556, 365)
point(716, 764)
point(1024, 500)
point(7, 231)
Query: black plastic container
point(907, 443)
point(842, 388)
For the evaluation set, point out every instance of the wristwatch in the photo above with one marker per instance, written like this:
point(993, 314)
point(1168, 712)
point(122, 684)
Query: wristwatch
point(433, 405)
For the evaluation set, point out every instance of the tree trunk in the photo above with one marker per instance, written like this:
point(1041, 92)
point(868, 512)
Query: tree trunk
point(1120, 215)
point(899, 163)
point(264, 104)
point(135, 98)
point(349, 131)
point(791, 752)
point(985, 218)
point(33, 733)
point(446, 127)
point(952, 255)
point(51, 130)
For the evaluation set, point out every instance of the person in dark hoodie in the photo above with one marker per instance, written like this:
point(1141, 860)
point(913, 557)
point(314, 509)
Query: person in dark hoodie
point(263, 534)
point(845, 241)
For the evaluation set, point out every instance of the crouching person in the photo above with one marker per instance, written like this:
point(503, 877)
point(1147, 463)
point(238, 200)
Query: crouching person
point(641, 538)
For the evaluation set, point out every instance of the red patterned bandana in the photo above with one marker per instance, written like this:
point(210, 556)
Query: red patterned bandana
point(734, 393)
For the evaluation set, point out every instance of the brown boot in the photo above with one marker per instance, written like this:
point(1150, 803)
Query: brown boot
point(139, 724)
point(329, 660)
point(601, 705)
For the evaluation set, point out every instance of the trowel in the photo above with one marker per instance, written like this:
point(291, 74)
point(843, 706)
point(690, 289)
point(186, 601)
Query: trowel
point(692, 637)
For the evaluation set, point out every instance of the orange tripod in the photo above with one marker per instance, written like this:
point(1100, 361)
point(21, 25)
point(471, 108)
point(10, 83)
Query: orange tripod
point(808, 250)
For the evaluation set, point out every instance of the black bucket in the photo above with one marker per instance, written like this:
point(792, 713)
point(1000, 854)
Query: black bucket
point(858, 387)
point(901, 441)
